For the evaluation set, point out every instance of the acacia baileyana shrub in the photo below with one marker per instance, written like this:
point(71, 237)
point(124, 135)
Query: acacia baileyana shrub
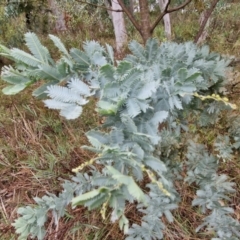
point(146, 100)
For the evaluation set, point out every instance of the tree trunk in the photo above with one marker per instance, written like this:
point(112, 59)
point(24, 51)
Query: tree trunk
point(119, 26)
point(145, 20)
point(166, 19)
point(60, 23)
point(204, 21)
point(201, 38)
point(131, 6)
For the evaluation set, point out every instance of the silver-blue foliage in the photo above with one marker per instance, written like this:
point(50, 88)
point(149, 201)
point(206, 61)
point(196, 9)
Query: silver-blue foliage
point(146, 99)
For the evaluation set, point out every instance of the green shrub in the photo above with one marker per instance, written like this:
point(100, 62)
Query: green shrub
point(148, 101)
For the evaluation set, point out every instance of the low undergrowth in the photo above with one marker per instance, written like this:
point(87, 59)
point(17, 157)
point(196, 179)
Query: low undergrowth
point(155, 109)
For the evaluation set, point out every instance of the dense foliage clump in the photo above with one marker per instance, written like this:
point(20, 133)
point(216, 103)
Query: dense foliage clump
point(148, 101)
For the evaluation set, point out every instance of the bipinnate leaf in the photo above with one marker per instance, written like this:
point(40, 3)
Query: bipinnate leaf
point(155, 164)
point(151, 49)
point(123, 67)
point(80, 57)
point(13, 76)
point(58, 43)
point(108, 72)
point(71, 112)
point(110, 52)
point(79, 200)
point(124, 224)
point(137, 49)
point(79, 86)
point(25, 57)
point(106, 108)
point(40, 92)
point(65, 94)
point(182, 74)
point(131, 185)
point(51, 73)
point(159, 117)
point(133, 107)
point(14, 89)
point(37, 49)
point(147, 90)
point(98, 59)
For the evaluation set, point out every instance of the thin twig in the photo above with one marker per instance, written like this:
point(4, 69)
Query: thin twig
point(206, 17)
point(166, 11)
point(129, 15)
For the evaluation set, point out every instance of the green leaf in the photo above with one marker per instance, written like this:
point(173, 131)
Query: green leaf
point(97, 201)
point(132, 187)
point(110, 52)
point(98, 59)
point(58, 43)
point(14, 77)
point(151, 49)
point(25, 57)
point(147, 90)
point(5, 52)
point(182, 74)
point(137, 49)
point(133, 108)
point(36, 48)
point(159, 117)
point(124, 224)
point(73, 111)
point(80, 57)
point(40, 92)
point(106, 108)
point(79, 86)
point(14, 89)
point(108, 72)
point(85, 197)
point(129, 123)
point(51, 73)
point(123, 67)
point(155, 164)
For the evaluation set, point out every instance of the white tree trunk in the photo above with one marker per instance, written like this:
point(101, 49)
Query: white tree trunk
point(119, 26)
point(60, 23)
point(204, 34)
point(166, 19)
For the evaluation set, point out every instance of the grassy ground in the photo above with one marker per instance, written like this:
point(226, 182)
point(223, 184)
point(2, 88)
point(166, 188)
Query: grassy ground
point(38, 148)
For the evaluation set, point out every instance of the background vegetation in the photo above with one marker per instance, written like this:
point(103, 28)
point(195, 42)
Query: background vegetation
point(38, 149)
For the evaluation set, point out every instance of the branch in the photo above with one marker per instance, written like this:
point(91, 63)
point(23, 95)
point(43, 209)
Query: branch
point(166, 11)
point(129, 15)
point(207, 16)
point(100, 6)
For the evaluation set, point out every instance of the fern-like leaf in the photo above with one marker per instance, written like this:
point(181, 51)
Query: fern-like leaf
point(133, 108)
point(80, 57)
point(64, 94)
point(50, 73)
point(72, 111)
point(58, 43)
point(137, 49)
point(25, 57)
point(37, 49)
point(79, 87)
point(151, 49)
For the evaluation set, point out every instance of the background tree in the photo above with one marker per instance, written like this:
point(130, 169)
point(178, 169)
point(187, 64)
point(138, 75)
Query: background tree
point(144, 26)
point(204, 22)
point(60, 22)
point(166, 19)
